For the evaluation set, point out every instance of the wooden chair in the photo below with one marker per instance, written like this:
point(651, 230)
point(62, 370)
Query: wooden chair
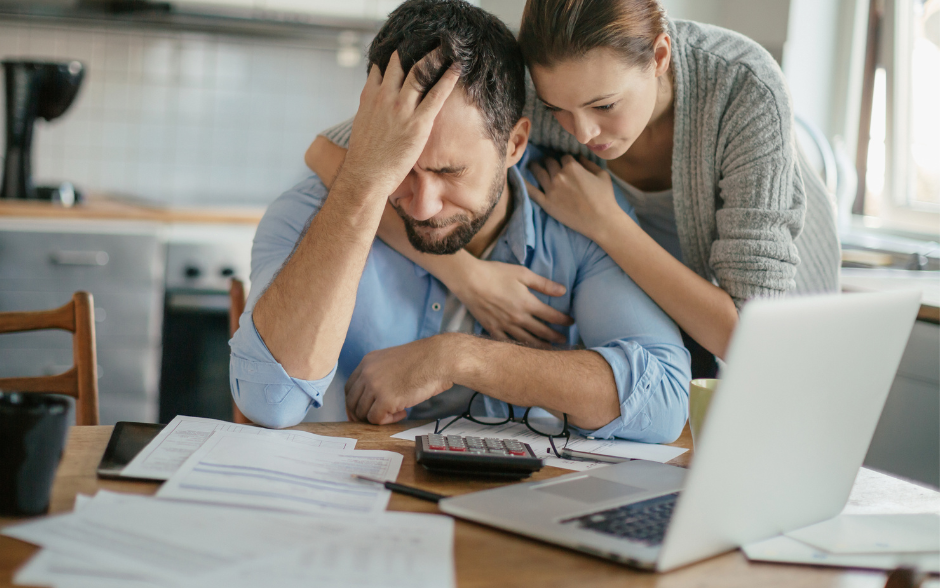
point(236, 294)
point(80, 382)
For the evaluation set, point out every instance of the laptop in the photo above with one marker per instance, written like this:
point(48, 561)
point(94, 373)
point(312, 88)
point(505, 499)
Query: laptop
point(803, 389)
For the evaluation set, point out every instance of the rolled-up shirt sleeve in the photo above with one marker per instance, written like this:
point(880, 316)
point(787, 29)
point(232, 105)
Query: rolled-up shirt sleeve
point(261, 388)
point(643, 346)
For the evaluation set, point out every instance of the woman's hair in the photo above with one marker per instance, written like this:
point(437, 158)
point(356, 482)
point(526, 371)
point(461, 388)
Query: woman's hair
point(557, 30)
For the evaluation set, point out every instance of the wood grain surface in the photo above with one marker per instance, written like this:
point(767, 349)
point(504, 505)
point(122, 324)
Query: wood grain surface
point(484, 556)
point(106, 208)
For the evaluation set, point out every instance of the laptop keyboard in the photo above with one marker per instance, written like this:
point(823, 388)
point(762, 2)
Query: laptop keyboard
point(645, 521)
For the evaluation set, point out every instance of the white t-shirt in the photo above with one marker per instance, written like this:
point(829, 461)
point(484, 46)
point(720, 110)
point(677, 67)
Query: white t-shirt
point(656, 214)
point(454, 401)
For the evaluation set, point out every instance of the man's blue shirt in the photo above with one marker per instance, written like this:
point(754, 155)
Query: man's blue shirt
point(399, 302)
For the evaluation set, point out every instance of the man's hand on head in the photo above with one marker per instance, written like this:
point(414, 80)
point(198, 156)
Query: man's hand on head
point(388, 381)
point(392, 124)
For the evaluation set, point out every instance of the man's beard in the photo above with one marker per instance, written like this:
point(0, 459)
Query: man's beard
point(466, 227)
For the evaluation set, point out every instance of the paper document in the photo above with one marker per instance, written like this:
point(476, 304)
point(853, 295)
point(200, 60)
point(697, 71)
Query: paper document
point(184, 435)
point(542, 448)
point(783, 549)
point(270, 472)
point(873, 494)
point(409, 552)
point(887, 533)
point(151, 542)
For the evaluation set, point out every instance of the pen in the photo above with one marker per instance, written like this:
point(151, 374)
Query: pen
point(402, 489)
point(584, 456)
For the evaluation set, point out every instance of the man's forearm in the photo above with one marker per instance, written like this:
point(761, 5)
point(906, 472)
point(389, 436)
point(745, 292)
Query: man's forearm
point(579, 383)
point(304, 314)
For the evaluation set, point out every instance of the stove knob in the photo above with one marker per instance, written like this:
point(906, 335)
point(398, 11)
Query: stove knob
point(192, 271)
point(227, 272)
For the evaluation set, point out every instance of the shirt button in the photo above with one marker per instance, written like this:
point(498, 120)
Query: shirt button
point(435, 307)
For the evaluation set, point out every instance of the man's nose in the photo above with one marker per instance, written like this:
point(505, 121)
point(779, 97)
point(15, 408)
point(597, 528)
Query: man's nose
point(584, 129)
point(426, 199)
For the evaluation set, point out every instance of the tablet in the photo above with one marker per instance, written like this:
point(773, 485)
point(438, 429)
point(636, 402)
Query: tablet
point(127, 440)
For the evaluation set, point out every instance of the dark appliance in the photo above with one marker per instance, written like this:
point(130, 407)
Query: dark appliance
point(194, 369)
point(34, 89)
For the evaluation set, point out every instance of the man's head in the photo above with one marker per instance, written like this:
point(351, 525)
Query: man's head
point(459, 178)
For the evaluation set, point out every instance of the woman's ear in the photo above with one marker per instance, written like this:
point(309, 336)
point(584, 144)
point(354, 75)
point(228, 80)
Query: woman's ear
point(662, 54)
point(517, 142)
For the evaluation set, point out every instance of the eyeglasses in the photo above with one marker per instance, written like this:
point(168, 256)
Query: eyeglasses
point(564, 434)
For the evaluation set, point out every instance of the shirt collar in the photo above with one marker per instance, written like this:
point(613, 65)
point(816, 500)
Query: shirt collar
point(520, 231)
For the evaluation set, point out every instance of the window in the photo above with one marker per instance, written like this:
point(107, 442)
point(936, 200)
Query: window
point(899, 164)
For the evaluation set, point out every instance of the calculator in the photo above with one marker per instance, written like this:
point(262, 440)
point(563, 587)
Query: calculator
point(454, 454)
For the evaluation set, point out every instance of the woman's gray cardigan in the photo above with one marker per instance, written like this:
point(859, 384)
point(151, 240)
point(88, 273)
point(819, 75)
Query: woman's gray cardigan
point(752, 216)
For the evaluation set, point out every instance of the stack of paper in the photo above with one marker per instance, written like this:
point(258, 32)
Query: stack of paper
point(192, 534)
point(129, 541)
point(542, 448)
point(868, 534)
point(284, 475)
point(163, 456)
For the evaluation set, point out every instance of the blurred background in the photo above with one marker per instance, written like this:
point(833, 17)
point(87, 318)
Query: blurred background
point(193, 115)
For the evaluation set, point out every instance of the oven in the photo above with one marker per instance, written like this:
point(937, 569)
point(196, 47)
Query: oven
point(200, 263)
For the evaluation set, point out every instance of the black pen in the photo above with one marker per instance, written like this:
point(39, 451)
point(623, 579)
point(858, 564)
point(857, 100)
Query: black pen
point(402, 489)
point(584, 456)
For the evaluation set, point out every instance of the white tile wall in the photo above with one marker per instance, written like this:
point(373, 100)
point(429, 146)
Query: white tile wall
point(184, 118)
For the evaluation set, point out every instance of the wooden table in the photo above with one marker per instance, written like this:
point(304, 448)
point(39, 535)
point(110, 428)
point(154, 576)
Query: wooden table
point(484, 556)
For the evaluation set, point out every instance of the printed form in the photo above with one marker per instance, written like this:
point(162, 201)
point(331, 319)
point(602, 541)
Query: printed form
point(147, 542)
point(276, 473)
point(184, 435)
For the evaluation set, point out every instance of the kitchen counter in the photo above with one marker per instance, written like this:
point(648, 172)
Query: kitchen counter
point(880, 280)
point(105, 208)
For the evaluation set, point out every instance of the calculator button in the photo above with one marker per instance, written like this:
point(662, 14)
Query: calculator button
point(436, 447)
point(496, 452)
point(516, 452)
point(457, 448)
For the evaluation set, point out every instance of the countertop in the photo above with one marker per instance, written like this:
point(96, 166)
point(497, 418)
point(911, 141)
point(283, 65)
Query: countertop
point(100, 207)
point(881, 280)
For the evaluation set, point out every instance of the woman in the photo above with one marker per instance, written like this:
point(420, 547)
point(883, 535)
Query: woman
point(694, 124)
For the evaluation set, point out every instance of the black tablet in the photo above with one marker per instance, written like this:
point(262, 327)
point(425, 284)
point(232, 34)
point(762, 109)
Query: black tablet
point(127, 440)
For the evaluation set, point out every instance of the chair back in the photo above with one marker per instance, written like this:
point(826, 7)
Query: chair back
point(236, 294)
point(80, 382)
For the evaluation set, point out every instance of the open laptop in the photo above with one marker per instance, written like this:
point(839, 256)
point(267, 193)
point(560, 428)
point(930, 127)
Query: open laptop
point(787, 430)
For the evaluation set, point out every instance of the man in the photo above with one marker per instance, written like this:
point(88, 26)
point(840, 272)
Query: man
point(439, 135)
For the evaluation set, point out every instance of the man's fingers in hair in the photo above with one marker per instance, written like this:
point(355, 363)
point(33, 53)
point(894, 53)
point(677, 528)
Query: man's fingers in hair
point(373, 82)
point(394, 74)
point(410, 91)
point(434, 100)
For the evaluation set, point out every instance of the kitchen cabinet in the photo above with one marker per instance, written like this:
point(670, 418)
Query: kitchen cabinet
point(121, 264)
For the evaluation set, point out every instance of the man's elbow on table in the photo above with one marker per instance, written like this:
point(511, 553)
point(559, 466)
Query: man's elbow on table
point(670, 412)
point(270, 405)
point(275, 406)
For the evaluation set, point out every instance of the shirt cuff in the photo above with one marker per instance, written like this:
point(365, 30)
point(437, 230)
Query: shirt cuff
point(634, 393)
point(253, 363)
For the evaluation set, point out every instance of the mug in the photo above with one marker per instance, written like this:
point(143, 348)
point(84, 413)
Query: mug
point(700, 396)
point(33, 428)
